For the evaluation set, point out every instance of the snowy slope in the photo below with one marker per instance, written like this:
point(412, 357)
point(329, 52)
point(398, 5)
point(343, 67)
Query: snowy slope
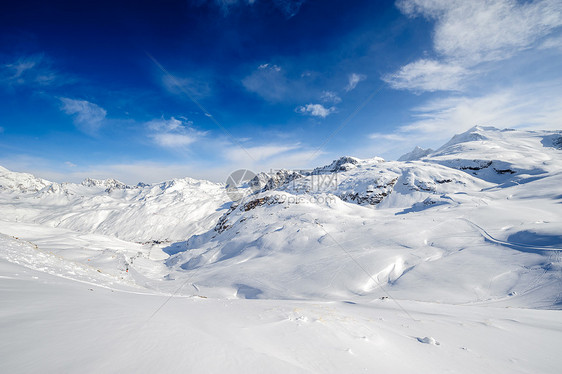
point(452, 258)
point(20, 182)
point(502, 156)
point(52, 323)
point(411, 225)
point(472, 235)
point(167, 211)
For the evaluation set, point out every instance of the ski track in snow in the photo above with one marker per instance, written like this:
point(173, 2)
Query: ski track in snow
point(518, 246)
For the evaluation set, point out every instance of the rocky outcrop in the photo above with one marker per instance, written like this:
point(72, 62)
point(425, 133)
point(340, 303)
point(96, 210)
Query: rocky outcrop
point(109, 184)
point(344, 163)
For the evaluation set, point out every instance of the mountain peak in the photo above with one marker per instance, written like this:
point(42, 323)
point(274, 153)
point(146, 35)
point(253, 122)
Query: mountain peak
point(108, 183)
point(341, 164)
point(416, 154)
point(482, 128)
point(23, 182)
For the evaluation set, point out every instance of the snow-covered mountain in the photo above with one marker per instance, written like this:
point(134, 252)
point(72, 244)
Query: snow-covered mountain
point(476, 220)
point(416, 154)
point(446, 249)
point(164, 212)
point(20, 182)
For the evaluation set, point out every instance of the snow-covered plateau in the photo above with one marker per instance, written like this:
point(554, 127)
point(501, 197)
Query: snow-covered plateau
point(446, 261)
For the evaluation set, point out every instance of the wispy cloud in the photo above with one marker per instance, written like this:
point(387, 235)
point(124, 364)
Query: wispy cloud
point(353, 80)
point(258, 153)
point(288, 7)
point(476, 31)
point(131, 173)
point(392, 136)
point(479, 48)
point(468, 33)
point(271, 156)
point(268, 81)
point(315, 110)
point(554, 43)
point(176, 85)
point(330, 97)
point(428, 75)
point(31, 70)
point(88, 117)
point(269, 67)
point(529, 106)
point(264, 158)
point(173, 133)
point(226, 5)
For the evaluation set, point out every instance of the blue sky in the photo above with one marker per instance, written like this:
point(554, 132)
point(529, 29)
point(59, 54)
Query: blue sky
point(144, 90)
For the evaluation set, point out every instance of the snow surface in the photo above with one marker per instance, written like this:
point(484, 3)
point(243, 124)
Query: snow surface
point(168, 211)
point(450, 261)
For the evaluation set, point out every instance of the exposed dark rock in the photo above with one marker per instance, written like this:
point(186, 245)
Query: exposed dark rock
point(505, 171)
point(344, 163)
point(480, 165)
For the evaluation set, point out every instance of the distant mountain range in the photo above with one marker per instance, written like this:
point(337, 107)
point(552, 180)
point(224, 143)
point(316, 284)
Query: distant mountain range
point(476, 220)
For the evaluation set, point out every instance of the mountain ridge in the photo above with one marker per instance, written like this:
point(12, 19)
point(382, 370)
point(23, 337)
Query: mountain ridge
point(480, 158)
point(477, 221)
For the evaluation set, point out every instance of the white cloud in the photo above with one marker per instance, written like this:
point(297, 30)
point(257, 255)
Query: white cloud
point(270, 67)
point(173, 133)
point(271, 156)
point(534, 106)
point(468, 33)
point(391, 136)
point(554, 43)
point(353, 80)
point(427, 75)
point(21, 66)
point(32, 70)
point(316, 110)
point(446, 116)
point(531, 107)
point(276, 84)
point(330, 97)
point(70, 164)
point(257, 153)
point(482, 30)
point(173, 140)
point(130, 173)
point(269, 82)
point(88, 117)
